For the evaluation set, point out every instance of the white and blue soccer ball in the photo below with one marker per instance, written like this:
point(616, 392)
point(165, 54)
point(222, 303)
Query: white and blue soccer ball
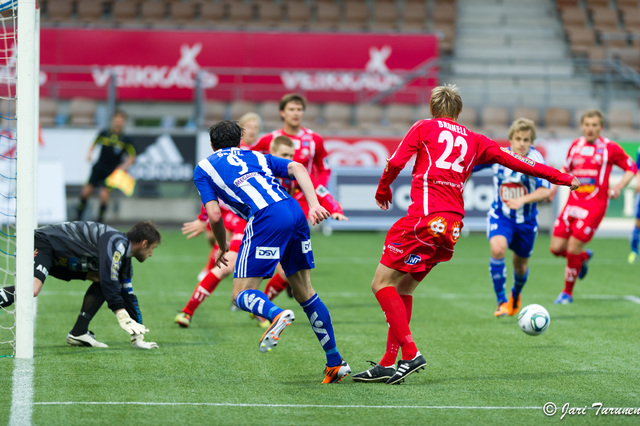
point(534, 320)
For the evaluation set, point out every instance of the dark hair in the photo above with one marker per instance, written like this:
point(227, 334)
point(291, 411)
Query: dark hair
point(225, 134)
point(293, 97)
point(144, 230)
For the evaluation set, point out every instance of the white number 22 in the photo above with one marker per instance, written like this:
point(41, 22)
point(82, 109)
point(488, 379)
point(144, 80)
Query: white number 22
point(442, 163)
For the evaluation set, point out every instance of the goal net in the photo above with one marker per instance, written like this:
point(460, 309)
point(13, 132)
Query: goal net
point(19, 70)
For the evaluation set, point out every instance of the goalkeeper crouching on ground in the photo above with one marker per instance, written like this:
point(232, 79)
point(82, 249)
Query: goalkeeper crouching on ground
point(99, 253)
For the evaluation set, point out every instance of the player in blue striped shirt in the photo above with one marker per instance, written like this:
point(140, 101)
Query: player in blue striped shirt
point(276, 231)
point(512, 221)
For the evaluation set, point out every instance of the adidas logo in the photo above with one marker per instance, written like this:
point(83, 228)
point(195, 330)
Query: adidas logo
point(162, 161)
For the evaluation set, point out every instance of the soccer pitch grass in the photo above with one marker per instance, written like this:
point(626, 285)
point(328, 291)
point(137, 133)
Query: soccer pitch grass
point(480, 370)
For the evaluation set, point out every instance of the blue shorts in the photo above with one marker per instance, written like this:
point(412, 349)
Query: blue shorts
point(520, 236)
point(637, 209)
point(277, 233)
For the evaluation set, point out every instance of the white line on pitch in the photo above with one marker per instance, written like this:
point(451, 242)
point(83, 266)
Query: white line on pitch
point(226, 404)
point(634, 299)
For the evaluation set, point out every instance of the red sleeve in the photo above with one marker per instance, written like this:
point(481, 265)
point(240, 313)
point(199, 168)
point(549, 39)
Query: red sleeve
point(622, 159)
point(263, 144)
point(327, 201)
point(321, 161)
point(407, 148)
point(490, 152)
point(203, 216)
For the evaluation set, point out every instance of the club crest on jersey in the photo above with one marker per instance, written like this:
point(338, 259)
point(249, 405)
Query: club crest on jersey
point(455, 231)
point(512, 190)
point(412, 259)
point(269, 252)
point(437, 226)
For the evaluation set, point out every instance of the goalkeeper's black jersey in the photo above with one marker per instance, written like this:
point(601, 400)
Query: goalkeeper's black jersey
point(92, 246)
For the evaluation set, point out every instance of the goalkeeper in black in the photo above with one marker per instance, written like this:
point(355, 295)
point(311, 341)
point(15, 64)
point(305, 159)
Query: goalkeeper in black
point(99, 253)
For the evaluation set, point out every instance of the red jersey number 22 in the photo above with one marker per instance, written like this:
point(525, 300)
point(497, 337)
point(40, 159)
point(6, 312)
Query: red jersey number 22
point(442, 162)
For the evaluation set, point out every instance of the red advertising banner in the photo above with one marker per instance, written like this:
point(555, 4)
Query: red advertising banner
point(163, 65)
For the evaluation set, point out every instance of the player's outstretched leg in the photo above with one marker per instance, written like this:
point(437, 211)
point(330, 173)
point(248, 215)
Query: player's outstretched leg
point(258, 303)
point(635, 242)
point(513, 305)
point(498, 270)
point(320, 320)
point(585, 257)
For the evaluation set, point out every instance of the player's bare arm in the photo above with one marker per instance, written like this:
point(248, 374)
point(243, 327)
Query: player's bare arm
point(615, 191)
point(317, 213)
point(194, 228)
point(217, 226)
point(536, 196)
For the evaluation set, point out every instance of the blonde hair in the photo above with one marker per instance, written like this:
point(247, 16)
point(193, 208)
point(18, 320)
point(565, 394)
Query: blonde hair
point(522, 125)
point(248, 117)
point(279, 141)
point(592, 113)
point(445, 102)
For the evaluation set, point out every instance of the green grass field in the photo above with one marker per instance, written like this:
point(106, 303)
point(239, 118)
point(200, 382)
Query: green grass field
point(480, 370)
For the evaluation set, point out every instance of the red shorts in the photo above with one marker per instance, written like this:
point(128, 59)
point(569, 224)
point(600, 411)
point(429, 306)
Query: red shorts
point(230, 220)
point(238, 233)
point(416, 244)
point(579, 222)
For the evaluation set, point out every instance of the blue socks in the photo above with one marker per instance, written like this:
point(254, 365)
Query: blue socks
point(519, 282)
point(635, 239)
point(257, 303)
point(321, 324)
point(498, 271)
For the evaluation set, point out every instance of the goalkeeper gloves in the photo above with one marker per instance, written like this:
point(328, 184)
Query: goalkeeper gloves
point(138, 342)
point(128, 324)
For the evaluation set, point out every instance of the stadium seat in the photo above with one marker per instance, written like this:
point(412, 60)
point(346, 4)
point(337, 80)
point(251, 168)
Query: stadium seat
point(311, 115)
point(604, 19)
point(613, 38)
point(238, 108)
point(628, 4)
point(90, 11)
point(153, 13)
point(369, 118)
point(384, 16)
point(58, 11)
point(631, 19)
point(531, 113)
point(596, 3)
point(414, 16)
point(298, 15)
point(240, 14)
point(270, 114)
point(468, 117)
point(212, 14)
point(574, 17)
point(125, 12)
point(629, 56)
point(327, 16)
point(557, 118)
point(82, 112)
point(563, 4)
point(400, 117)
point(337, 116)
point(48, 112)
point(183, 13)
point(214, 111)
point(597, 55)
point(581, 39)
point(269, 13)
point(356, 15)
point(444, 13)
point(620, 119)
point(495, 119)
point(447, 36)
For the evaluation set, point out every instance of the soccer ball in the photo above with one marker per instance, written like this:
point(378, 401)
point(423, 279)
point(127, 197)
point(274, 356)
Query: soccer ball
point(534, 320)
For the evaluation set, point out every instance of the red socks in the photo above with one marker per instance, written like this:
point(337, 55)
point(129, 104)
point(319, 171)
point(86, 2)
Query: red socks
point(212, 257)
point(574, 263)
point(202, 291)
point(396, 314)
point(275, 286)
point(389, 358)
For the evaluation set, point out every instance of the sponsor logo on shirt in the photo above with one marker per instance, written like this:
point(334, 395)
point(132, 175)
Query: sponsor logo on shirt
point(115, 265)
point(587, 151)
point(517, 156)
point(268, 252)
point(393, 249)
point(306, 246)
point(412, 259)
point(244, 178)
point(511, 190)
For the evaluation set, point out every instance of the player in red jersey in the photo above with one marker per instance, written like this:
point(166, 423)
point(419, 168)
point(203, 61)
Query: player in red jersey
point(445, 155)
point(590, 158)
point(309, 146)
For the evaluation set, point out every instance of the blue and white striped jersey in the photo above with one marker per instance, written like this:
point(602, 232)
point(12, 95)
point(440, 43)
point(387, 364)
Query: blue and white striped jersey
point(244, 180)
point(508, 184)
